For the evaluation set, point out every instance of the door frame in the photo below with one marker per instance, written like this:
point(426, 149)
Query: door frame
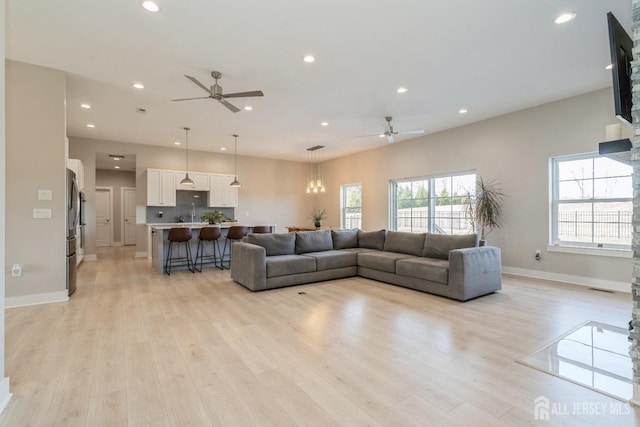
point(110, 191)
point(122, 212)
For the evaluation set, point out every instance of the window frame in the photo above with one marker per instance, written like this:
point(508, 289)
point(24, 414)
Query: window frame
point(593, 247)
point(343, 203)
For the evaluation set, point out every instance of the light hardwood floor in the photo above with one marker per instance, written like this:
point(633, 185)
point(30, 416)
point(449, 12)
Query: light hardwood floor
point(133, 348)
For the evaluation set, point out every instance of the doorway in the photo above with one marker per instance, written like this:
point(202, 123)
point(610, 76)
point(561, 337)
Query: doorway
point(104, 214)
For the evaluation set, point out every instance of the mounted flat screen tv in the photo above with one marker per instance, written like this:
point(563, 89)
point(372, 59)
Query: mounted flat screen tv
point(620, 45)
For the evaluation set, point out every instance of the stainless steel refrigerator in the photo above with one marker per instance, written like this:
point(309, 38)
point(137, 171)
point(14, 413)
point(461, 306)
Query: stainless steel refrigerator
point(73, 202)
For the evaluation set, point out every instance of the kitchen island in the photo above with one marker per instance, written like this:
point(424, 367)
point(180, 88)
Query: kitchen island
point(160, 244)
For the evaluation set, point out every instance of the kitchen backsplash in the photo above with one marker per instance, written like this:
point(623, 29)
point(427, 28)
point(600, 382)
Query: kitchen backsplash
point(186, 202)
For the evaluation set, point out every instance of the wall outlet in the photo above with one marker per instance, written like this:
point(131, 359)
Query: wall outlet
point(538, 255)
point(16, 270)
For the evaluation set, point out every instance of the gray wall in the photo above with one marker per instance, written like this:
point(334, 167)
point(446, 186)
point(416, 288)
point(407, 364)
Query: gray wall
point(272, 191)
point(117, 180)
point(4, 390)
point(35, 160)
point(513, 149)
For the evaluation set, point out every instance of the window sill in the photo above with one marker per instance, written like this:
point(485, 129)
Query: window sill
point(615, 253)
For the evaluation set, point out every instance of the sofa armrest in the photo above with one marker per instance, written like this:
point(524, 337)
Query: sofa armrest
point(249, 265)
point(474, 272)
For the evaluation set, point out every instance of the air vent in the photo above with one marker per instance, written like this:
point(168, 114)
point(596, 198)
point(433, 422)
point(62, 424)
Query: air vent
point(141, 110)
point(116, 156)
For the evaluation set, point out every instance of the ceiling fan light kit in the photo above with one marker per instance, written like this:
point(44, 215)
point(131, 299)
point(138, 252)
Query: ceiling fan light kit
point(186, 180)
point(215, 92)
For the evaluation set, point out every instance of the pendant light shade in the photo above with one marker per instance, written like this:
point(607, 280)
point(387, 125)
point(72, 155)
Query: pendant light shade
point(186, 180)
point(235, 182)
point(314, 182)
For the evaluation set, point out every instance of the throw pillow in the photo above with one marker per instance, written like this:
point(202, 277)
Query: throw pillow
point(404, 243)
point(371, 239)
point(313, 241)
point(343, 239)
point(274, 243)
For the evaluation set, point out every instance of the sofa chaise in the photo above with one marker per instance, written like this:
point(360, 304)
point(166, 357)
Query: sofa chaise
point(453, 266)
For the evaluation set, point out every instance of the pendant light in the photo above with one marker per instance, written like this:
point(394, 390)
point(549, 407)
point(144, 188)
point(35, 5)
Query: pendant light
point(235, 182)
point(315, 183)
point(186, 180)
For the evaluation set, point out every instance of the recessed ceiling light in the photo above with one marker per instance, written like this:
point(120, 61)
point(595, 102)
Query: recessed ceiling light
point(381, 135)
point(85, 106)
point(223, 148)
point(138, 85)
point(565, 17)
point(90, 125)
point(116, 167)
point(324, 124)
point(150, 6)
point(401, 90)
point(309, 59)
point(116, 159)
point(177, 143)
point(609, 67)
point(248, 108)
point(462, 111)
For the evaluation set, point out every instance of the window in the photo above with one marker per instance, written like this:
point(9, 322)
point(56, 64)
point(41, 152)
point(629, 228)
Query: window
point(432, 204)
point(591, 202)
point(351, 206)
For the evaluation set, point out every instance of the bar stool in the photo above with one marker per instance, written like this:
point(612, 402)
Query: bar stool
point(208, 234)
point(261, 229)
point(178, 235)
point(235, 233)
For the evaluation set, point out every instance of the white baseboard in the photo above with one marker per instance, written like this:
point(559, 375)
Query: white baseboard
point(141, 255)
point(588, 282)
point(36, 299)
point(90, 257)
point(5, 394)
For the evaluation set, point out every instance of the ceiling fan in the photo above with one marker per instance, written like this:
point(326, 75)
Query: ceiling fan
point(215, 92)
point(390, 132)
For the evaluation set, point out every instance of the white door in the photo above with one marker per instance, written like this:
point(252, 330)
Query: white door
point(129, 215)
point(103, 217)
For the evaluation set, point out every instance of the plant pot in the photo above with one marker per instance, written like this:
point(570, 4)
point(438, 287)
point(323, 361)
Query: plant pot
point(318, 224)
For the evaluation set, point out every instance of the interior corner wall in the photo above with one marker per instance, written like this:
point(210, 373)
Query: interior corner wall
point(35, 160)
point(272, 191)
point(5, 394)
point(513, 149)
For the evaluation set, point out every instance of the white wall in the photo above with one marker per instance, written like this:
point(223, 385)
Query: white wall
point(272, 191)
point(35, 160)
point(513, 149)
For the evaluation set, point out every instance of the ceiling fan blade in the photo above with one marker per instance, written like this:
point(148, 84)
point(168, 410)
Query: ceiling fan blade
point(189, 99)
point(390, 138)
point(243, 94)
point(229, 105)
point(410, 132)
point(197, 83)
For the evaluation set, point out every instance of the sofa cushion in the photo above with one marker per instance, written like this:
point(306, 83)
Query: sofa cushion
point(383, 261)
point(434, 270)
point(284, 265)
point(439, 245)
point(404, 243)
point(274, 243)
point(371, 239)
point(328, 260)
point(343, 239)
point(313, 241)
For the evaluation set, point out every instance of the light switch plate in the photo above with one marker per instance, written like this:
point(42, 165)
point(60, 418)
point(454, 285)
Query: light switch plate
point(42, 213)
point(45, 195)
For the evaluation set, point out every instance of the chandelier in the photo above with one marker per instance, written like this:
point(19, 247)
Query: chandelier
point(314, 180)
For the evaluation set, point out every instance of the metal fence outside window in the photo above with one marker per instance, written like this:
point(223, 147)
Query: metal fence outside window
point(596, 227)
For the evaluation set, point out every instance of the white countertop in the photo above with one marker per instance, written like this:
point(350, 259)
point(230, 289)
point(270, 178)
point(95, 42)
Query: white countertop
point(168, 225)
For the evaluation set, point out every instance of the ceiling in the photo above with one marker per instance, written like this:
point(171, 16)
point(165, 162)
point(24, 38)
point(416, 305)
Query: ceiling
point(490, 57)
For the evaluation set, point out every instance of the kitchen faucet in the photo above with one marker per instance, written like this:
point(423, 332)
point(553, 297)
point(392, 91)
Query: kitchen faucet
point(193, 212)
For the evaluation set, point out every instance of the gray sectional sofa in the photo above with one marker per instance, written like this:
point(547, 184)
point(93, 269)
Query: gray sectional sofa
point(452, 266)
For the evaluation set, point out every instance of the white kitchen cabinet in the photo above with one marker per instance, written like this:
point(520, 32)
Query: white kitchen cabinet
point(221, 194)
point(161, 187)
point(77, 166)
point(200, 181)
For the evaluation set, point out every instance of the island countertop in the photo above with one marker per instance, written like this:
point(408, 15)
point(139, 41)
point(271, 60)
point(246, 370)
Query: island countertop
point(198, 225)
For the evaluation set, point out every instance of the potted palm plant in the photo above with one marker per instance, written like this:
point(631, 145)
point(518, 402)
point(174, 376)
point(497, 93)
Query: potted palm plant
point(317, 216)
point(485, 208)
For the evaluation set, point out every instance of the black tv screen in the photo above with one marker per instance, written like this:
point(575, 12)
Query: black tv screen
point(621, 45)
